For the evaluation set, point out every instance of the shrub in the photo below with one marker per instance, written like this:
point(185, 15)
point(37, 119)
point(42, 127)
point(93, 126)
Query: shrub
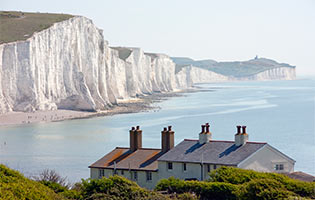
point(206, 190)
point(115, 187)
point(301, 188)
point(62, 190)
point(186, 196)
point(264, 189)
point(242, 176)
point(14, 185)
point(52, 176)
point(239, 176)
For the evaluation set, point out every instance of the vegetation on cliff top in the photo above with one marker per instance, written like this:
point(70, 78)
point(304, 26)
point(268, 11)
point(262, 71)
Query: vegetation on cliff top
point(16, 26)
point(225, 183)
point(236, 68)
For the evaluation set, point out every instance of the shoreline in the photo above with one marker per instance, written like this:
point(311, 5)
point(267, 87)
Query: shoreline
point(140, 104)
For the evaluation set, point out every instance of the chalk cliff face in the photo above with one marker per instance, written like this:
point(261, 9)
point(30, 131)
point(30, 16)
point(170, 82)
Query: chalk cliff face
point(280, 73)
point(190, 75)
point(71, 66)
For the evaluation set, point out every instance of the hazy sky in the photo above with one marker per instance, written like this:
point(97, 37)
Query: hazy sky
point(223, 30)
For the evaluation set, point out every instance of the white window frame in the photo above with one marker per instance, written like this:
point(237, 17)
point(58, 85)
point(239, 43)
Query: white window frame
point(279, 167)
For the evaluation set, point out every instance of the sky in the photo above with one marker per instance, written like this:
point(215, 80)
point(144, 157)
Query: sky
point(223, 30)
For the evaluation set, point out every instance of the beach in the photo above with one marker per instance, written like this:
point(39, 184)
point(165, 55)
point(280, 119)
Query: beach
point(133, 105)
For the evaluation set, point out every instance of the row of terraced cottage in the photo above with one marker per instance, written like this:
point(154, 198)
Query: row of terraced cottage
point(190, 159)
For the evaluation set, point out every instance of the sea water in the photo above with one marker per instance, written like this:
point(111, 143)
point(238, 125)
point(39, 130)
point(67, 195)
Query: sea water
point(281, 113)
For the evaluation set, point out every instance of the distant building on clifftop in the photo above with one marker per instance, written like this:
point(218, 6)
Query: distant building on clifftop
point(190, 159)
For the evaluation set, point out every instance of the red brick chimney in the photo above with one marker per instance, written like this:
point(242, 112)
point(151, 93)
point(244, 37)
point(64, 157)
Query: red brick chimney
point(135, 138)
point(167, 139)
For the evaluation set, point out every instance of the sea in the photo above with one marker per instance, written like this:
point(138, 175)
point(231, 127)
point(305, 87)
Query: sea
point(281, 113)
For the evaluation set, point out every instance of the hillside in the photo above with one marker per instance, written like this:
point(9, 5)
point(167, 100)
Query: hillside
point(234, 69)
point(13, 185)
point(16, 26)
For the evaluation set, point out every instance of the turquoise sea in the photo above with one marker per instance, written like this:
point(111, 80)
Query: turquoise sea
point(281, 113)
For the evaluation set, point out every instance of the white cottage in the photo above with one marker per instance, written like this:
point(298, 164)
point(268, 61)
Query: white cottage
point(190, 159)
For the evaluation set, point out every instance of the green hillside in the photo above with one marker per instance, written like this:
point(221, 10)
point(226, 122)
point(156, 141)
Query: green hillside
point(16, 26)
point(13, 185)
point(236, 69)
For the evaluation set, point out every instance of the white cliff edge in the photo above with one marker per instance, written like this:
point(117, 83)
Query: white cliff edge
point(71, 66)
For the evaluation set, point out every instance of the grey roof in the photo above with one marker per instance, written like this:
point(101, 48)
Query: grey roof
point(214, 152)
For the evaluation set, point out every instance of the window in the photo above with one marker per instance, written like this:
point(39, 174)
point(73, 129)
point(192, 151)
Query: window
point(101, 173)
point(208, 168)
point(184, 167)
point(122, 172)
point(279, 167)
point(169, 166)
point(214, 166)
point(135, 175)
point(149, 176)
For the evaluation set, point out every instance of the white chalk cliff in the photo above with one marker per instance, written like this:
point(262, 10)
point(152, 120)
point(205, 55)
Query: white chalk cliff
point(279, 73)
point(71, 66)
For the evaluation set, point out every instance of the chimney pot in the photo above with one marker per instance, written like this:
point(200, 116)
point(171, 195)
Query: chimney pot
point(244, 129)
point(203, 128)
point(238, 129)
point(165, 129)
point(169, 128)
point(207, 128)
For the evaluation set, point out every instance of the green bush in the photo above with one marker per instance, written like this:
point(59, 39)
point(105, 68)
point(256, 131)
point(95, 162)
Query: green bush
point(242, 176)
point(115, 187)
point(264, 189)
point(62, 190)
point(14, 185)
point(239, 176)
point(205, 190)
point(301, 188)
point(186, 196)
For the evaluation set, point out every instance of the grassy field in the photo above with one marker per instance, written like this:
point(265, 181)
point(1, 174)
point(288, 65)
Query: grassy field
point(16, 26)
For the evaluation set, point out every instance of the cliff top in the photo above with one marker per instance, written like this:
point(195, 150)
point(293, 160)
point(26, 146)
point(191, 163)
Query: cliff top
point(16, 26)
point(236, 68)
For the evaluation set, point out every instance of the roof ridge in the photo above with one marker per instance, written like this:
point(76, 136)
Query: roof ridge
point(228, 141)
point(139, 149)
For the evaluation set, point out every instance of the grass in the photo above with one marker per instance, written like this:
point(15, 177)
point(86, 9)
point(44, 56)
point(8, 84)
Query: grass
point(15, 26)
